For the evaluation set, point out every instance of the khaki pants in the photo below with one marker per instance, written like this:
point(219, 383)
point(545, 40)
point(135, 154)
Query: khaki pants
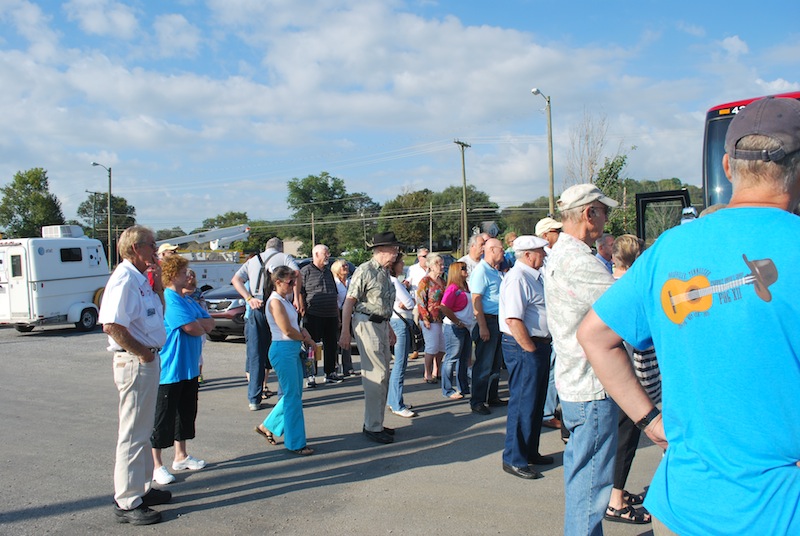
point(373, 345)
point(137, 384)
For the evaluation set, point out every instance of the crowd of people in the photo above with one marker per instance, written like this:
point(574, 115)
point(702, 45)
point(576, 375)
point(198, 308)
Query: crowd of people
point(578, 330)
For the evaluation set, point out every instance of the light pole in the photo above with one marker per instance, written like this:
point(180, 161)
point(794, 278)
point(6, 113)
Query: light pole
point(108, 215)
point(552, 201)
point(463, 146)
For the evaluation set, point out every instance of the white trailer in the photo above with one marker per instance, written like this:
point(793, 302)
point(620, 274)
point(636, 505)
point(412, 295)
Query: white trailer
point(56, 279)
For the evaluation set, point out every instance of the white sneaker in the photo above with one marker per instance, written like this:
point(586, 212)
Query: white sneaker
point(193, 464)
point(405, 412)
point(162, 476)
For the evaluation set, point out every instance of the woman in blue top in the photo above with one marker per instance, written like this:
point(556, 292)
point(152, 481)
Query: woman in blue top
point(176, 408)
point(286, 418)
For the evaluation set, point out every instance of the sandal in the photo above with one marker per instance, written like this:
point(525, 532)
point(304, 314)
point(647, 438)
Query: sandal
point(632, 499)
point(268, 393)
point(267, 435)
point(628, 514)
point(456, 396)
point(305, 451)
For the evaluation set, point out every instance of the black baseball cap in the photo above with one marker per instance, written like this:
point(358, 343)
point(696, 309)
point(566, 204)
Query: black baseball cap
point(777, 118)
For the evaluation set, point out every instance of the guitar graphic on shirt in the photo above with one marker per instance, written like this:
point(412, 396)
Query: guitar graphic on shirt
point(681, 298)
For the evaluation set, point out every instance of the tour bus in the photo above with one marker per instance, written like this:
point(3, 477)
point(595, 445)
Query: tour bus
point(56, 279)
point(716, 187)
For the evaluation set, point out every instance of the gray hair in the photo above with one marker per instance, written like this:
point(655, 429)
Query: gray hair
point(753, 172)
point(275, 243)
point(133, 236)
point(319, 248)
point(433, 257)
point(601, 241)
point(572, 215)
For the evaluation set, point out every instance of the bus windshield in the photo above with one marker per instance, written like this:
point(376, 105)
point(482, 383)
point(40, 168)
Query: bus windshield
point(717, 186)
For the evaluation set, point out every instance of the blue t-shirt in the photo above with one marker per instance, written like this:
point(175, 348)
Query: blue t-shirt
point(485, 280)
point(718, 298)
point(180, 356)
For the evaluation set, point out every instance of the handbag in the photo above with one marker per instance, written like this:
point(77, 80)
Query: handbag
point(417, 339)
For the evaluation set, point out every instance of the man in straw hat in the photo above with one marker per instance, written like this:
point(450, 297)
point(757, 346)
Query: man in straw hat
point(718, 300)
point(368, 305)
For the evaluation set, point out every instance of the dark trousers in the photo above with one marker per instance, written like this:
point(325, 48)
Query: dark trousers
point(325, 329)
point(488, 359)
point(527, 387)
point(628, 440)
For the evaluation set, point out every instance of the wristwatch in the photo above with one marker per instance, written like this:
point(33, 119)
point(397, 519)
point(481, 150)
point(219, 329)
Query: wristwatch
point(647, 419)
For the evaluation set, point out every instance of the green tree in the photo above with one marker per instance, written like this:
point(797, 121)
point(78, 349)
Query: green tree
point(447, 225)
point(94, 213)
point(229, 219)
point(321, 204)
point(166, 234)
point(407, 216)
point(522, 219)
point(27, 204)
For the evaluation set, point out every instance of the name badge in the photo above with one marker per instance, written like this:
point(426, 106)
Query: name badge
point(151, 311)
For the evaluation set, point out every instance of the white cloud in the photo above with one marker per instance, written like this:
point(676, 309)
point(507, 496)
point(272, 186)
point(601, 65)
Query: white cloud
point(734, 47)
point(176, 36)
point(691, 29)
point(777, 86)
point(103, 17)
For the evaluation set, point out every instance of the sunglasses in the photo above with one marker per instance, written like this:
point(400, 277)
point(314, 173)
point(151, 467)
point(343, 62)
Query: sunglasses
point(290, 282)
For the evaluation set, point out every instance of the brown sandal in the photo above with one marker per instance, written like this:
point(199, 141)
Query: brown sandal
point(267, 435)
point(305, 451)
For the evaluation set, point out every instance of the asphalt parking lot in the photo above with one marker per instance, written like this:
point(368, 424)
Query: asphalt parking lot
point(443, 474)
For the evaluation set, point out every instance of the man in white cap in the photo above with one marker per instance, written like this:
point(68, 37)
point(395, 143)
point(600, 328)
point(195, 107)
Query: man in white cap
point(721, 308)
point(166, 249)
point(550, 229)
point(573, 280)
point(525, 341)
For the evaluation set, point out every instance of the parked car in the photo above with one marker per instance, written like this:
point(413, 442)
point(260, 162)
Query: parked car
point(227, 308)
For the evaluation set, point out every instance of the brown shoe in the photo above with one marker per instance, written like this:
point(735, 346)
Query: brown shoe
point(413, 355)
point(552, 423)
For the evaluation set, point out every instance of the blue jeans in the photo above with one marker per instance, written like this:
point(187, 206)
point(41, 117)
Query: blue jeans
point(527, 386)
point(588, 464)
point(286, 418)
point(258, 339)
point(551, 400)
point(458, 350)
point(488, 358)
point(401, 350)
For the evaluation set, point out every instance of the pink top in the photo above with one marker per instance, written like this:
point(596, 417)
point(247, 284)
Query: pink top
point(454, 298)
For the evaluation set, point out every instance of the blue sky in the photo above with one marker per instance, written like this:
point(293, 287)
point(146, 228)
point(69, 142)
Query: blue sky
point(203, 107)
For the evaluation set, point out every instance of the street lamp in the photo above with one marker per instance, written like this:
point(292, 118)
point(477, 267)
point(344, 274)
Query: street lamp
point(537, 91)
point(110, 251)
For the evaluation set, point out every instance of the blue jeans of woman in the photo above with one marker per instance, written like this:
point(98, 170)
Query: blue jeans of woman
point(286, 418)
point(458, 350)
point(401, 349)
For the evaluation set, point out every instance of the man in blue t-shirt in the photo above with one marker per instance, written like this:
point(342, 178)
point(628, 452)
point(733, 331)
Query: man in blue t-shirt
point(717, 298)
point(484, 282)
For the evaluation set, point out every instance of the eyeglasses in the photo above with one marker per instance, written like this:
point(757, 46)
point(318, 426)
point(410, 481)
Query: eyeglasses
point(290, 282)
point(464, 269)
point(604, 209)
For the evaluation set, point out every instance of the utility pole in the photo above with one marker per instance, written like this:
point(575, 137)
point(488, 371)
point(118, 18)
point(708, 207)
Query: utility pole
point(94, 212)
point(463, 146)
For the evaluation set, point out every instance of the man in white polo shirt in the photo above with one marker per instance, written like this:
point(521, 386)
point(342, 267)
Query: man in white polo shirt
point(132, 315)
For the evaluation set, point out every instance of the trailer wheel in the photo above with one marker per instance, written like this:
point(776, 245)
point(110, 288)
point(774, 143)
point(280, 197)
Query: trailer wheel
point(88, 320)
point(23, 328)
